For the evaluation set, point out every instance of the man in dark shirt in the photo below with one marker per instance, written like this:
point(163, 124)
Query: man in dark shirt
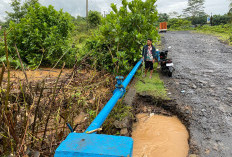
point(149, 56)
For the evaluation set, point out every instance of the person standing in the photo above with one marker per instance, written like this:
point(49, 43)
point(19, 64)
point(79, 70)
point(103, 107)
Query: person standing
point(149, 56)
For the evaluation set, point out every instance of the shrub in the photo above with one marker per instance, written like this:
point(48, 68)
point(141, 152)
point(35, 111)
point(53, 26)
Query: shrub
point(94, 19)
point(179, 24)
point(116, 46)
point(42, 35)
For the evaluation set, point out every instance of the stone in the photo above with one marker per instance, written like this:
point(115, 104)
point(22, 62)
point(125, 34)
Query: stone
point(203, 110)
point(122, 124)
point(230, 88)
point(192, 155)
point(80, 118)
point(194, 86)
point(124, 132)
point(36, 154)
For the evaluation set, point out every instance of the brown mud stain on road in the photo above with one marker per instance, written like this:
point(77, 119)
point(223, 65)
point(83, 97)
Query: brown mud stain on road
point(161, 136)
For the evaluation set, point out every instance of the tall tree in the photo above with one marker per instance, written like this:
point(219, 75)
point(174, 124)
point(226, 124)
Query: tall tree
point(195, 8)
point(17, 14)
point(19, 10)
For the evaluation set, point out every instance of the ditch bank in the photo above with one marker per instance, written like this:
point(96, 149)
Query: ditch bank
point(150, 113)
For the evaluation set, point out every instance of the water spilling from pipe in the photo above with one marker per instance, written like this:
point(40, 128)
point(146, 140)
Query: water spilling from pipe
point(159, 136)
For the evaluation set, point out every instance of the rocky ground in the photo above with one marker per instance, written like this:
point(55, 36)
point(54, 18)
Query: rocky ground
point(202, 82)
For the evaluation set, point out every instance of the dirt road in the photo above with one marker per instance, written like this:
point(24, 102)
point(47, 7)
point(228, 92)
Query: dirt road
point(203, 82)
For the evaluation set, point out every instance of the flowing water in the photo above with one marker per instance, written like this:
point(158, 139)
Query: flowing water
point(159, 136)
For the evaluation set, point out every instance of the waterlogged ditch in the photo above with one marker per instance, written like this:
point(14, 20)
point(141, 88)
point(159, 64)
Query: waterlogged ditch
point(160, 126)
point(161, 136)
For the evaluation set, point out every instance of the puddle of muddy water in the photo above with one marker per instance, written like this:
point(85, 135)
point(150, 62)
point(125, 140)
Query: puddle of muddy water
point(159, 136)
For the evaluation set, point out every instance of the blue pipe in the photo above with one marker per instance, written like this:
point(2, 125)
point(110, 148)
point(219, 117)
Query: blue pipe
point(118, 93)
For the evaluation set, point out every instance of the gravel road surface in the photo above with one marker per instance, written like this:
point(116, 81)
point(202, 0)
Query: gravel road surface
point(203, 82)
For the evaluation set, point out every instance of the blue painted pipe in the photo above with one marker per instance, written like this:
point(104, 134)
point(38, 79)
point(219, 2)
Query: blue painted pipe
point(118, 93)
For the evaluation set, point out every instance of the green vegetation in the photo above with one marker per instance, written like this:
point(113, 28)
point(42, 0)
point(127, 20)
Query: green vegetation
point(94, 19)
point(116, 45)
point(154, 87)
point(179, 24)
point(42, 37)
point(224, 32)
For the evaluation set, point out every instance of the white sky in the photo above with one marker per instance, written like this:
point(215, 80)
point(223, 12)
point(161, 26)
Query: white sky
point(77, 7)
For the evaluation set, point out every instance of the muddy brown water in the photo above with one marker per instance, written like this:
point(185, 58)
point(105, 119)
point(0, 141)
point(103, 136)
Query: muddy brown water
point(159, 136)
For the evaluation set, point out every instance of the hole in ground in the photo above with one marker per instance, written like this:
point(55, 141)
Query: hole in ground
point(158, 111)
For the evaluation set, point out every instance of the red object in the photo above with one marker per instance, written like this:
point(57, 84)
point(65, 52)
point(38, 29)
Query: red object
point(163, 26)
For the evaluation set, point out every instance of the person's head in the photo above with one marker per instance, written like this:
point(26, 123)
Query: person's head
point(149, 41)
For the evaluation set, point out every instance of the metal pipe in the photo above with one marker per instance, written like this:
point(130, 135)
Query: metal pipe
point(118, 93)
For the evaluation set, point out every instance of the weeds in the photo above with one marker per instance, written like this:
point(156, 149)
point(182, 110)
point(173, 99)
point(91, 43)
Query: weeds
point(154, 86)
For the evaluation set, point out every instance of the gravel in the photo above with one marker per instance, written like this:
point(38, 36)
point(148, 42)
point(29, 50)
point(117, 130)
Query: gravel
point(204, 71)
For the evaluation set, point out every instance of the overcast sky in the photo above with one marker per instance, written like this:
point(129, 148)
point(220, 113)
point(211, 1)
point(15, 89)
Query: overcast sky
point(77, 7)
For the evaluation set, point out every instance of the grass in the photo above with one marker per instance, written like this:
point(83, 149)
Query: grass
point(154, 86)
point(222, 36)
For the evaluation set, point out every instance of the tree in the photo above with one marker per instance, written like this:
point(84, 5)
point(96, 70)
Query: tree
point(17, 14)
point(198, 20)
point(116, 45)
point(195, 10)
point(230, 11)
point(163, 17)
point(220, 19)
point(42, 35)
point(94, 18)
point(174, 14)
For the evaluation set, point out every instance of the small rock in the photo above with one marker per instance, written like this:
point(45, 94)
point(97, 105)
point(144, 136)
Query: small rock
point(203, 110)
point(36, 154)
point(192, 155)
point(203, 82)
point(194, 86)
point(124, 132)
point(230, 88)
point(122, 124)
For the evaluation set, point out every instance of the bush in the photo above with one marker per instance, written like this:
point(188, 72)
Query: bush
point(116, 46)
point(179, 24)
point(94, 19)
point(42, 35)
point(221, 19)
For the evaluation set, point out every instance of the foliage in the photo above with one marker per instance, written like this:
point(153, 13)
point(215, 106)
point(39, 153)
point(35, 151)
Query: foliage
point(17, 14)
point(195, 8)
point(42, 35)
point(19, 11)
point(14, 62)
point(222, 31)
point(116, 46)
point(221, 19)
point(94, 18)
point(179, 24)
point(198, 20)
point(154, 86)
point(163, 17)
